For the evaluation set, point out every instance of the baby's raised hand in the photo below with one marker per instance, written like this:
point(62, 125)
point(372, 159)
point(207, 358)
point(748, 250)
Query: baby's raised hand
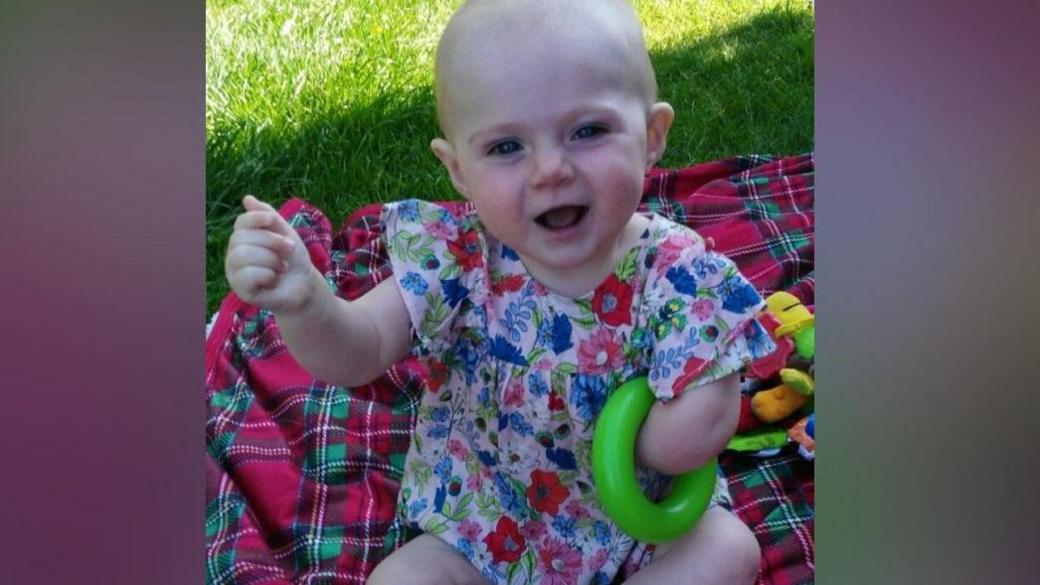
point(267, 263)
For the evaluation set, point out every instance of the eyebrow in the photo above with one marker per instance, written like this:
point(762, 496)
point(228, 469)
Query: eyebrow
point(504, 129)
point(507, 128)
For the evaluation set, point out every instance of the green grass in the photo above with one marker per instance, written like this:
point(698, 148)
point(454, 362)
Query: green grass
point(332, 100)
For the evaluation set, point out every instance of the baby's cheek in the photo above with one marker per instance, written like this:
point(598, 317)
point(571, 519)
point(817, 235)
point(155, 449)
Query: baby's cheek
point(495, 206)
point(623, 175)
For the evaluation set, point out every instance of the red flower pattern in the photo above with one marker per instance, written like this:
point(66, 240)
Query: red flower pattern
point(466, 249)
point(438, 374)
point(545, 492)
point(506, 543)
point(612, 302)
point(556, 403)
point(508, 284)
point(694, 367)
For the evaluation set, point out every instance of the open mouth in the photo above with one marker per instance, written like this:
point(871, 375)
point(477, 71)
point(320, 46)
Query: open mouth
point(559, 218)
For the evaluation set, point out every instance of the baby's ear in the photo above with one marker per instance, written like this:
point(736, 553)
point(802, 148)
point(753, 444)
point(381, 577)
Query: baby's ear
point(446, 153)
point(658, 121)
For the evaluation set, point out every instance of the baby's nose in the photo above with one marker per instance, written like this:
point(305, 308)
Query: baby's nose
point(551, 168)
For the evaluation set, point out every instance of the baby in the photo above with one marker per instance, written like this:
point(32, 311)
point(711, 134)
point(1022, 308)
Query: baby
point(532, 307)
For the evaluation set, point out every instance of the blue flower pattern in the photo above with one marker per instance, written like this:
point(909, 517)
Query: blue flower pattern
point(589, 394)
point(453, 290)
point(414, 283)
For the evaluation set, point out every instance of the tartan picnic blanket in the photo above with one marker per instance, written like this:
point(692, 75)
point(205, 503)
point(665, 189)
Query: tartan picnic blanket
point(302, 477)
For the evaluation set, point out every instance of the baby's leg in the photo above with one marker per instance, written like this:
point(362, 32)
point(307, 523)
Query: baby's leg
point(426, 559)
point(721, 549)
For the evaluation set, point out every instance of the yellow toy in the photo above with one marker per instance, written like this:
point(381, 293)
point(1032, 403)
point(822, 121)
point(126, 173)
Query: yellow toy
point(796, 322)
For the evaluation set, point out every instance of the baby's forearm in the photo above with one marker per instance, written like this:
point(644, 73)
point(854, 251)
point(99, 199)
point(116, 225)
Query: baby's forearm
point(690, 430)
point(334, 340)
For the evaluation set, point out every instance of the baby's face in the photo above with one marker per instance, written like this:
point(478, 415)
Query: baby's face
point(550, 142)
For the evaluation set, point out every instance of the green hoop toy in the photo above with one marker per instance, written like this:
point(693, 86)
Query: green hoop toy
point(614, 471)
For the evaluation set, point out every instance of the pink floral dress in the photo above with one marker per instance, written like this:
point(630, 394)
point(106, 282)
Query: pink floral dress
point(499, 466)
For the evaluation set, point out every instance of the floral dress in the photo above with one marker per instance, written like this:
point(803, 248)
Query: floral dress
point(500, 465)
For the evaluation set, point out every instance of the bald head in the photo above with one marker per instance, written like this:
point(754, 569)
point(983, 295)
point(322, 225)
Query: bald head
point(601, 38)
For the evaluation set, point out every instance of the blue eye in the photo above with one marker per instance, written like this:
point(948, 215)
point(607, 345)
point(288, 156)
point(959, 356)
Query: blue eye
point(504, 148)
point(586, 132)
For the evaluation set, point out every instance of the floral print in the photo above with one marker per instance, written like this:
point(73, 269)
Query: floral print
point(601, 353)
point(545, 493)
point(500, 461)
point(612, 302)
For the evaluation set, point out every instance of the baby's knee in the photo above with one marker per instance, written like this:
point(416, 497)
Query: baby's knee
point(389, 571)
point(397, 571)
point(739, 544)
point(425, 560)
point(721, 550)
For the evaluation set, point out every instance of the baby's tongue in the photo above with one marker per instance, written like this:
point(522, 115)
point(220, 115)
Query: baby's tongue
point(561, 217)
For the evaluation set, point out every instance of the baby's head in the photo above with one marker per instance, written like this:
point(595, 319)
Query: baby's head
point(604, 34)
point(550, 119)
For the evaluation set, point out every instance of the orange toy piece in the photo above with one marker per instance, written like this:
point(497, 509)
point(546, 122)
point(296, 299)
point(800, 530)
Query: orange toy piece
point(803, 433)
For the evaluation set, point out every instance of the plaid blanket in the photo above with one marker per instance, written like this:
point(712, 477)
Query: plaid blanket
point(302, 477)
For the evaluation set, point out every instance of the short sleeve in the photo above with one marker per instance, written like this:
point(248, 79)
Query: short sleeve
point(701, 315)
point(438, 260)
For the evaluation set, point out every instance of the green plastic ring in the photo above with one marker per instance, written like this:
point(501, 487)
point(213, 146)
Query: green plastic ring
point(614, 471)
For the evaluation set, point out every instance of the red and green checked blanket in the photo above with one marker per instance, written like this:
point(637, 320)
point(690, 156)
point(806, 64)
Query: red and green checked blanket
point(302, 477)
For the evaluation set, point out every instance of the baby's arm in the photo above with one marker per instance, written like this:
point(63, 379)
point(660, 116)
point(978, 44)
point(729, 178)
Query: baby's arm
point(345, 343)
point(685, 433)
point(349, 343)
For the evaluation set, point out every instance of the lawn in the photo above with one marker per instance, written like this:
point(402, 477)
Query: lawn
point(332, 100)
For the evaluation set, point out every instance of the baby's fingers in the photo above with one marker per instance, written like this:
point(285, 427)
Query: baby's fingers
point(257, 220)
point(248, 281)
point(244, 255)
point(251, 203)
point(280, 245)
point(262, 215)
